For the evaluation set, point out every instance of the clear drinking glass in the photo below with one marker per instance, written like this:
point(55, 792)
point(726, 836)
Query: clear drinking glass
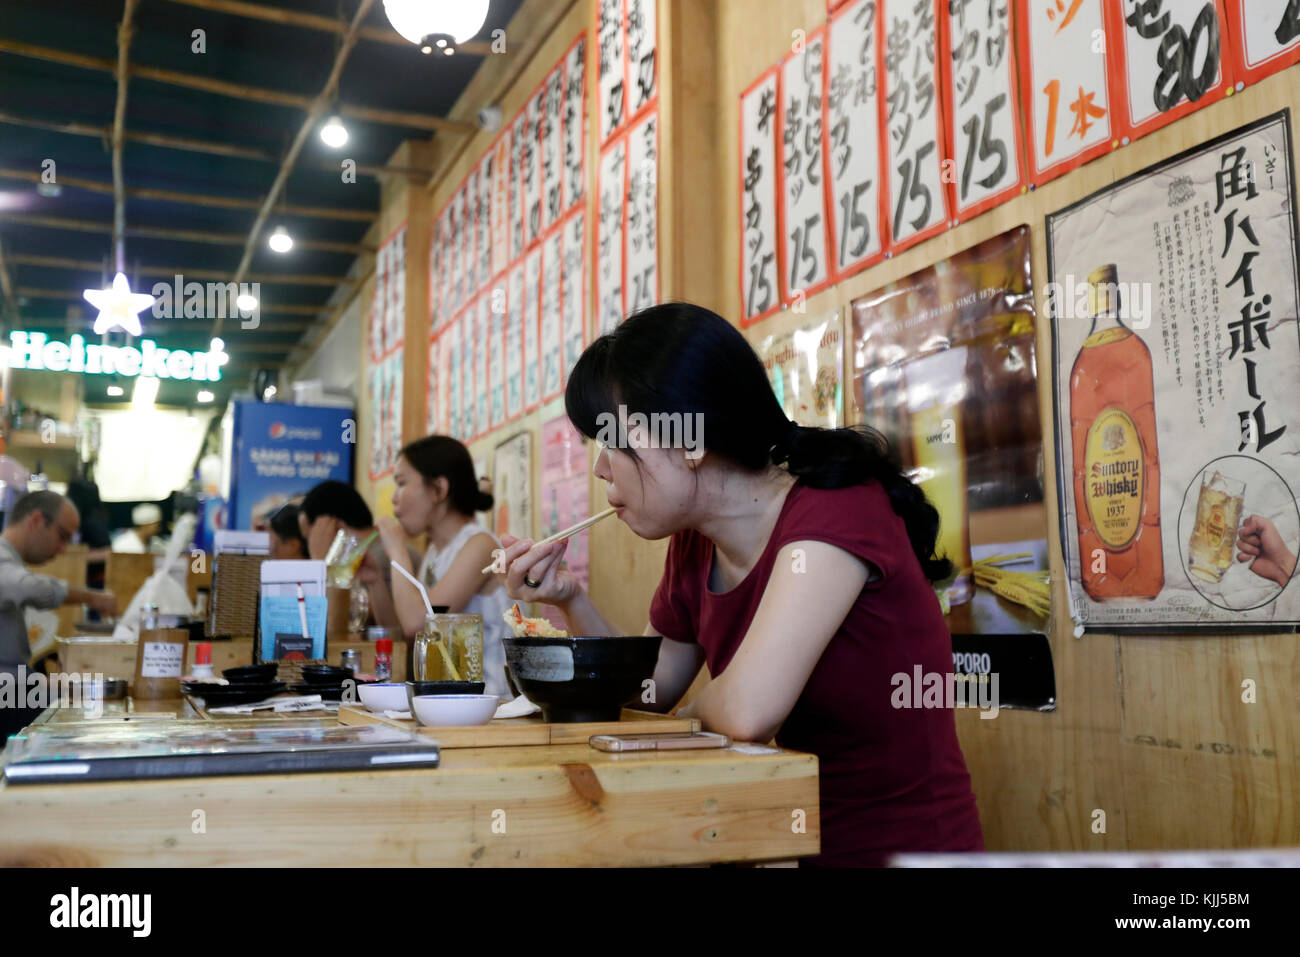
point(1218, 513)
point(464, 636)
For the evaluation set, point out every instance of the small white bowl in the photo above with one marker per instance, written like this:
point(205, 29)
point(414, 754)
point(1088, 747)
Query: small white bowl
point(451, 710)
point(384, 697)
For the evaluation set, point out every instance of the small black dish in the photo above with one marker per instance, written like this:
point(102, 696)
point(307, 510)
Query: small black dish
point(327, 692)
point(219, 696)
point(251, 673)
point(446, 687)
point(325, 674)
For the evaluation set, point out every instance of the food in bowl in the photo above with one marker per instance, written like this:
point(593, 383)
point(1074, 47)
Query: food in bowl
point(531, 627)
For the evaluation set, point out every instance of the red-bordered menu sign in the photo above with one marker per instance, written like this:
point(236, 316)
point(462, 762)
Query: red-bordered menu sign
point(760, 266)
point(1265, 36)
point(1172, 59)
point(919, 201)
point(1065, 84)
point(981, 106)
point(802, 171)
point(852, 125)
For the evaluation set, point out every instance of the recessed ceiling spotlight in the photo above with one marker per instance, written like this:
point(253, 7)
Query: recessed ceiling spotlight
point(114, 390)
point(334, 133)
point(204, 396)
point(246, 302)
point(280, 240)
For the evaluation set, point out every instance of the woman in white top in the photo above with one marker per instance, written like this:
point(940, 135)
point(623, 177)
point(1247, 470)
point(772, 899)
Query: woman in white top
point(437, 495)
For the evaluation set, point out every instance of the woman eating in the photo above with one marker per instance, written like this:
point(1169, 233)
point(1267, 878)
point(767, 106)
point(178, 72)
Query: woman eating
point(799, 569)
point(437, 495)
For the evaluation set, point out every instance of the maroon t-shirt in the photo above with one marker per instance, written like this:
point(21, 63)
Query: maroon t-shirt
point(892, 779)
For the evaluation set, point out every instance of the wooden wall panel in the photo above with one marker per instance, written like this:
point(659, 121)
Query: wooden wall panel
point(1039, 777)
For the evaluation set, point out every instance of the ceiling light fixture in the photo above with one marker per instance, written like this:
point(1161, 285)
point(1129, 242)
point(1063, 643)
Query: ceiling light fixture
point(118, 306)
point(437, 24)
point(280, 240)
point(204, 396)
point(114, 390)
point(334, 134)
point(246, 302)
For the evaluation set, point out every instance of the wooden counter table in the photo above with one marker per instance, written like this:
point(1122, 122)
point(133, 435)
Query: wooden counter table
point(540, 806)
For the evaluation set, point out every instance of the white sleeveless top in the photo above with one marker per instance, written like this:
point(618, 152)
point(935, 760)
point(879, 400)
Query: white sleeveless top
point(491, 606)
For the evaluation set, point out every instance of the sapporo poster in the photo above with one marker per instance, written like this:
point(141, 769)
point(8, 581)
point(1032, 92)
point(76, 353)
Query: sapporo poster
point(944, 367)
point(804, 366)
point(1177, 359)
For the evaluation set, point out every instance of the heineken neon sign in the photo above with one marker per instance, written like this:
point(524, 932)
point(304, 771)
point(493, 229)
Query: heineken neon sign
point(33, 350)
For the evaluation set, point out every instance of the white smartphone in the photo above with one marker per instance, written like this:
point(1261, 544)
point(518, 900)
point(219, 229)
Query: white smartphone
point(667, 741)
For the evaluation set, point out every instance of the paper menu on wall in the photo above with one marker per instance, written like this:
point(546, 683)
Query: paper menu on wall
point(550, 338)
point(532, 346)
point(573, 290)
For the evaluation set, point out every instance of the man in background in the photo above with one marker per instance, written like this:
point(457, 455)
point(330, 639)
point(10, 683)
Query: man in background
point(146, 520)
point(40, 528)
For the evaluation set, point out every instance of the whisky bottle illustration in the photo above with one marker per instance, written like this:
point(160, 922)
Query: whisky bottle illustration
point(1116, 459)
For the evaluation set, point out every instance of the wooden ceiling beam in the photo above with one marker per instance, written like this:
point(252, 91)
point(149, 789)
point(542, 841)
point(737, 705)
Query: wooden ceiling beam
point(89, 265)
point(239, 91)
point(312, 21)
point(193, 199)
point(184, 235)
point(189, 145)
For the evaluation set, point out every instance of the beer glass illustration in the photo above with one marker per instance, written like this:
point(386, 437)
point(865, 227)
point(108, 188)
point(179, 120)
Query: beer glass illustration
point(1218, 513)
point(935, 388)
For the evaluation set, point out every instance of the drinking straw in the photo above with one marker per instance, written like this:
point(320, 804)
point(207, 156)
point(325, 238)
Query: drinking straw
point(428, 606)
point(302, 610)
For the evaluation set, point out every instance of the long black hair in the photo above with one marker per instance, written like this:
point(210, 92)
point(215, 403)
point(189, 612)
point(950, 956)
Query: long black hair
point(441, 456)
point(682, 358)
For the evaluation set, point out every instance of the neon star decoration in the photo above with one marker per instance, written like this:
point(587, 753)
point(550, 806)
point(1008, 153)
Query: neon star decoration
point(118, 306)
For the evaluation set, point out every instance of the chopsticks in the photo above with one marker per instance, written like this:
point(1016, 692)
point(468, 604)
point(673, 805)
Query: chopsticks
point(561, 536)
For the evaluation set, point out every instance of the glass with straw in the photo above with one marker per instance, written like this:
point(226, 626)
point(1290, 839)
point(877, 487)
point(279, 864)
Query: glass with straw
point(423, 669)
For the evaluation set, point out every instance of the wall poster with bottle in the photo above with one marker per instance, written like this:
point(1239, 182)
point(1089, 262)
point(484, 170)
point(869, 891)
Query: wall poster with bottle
point(1176, 351)
point(944, 367)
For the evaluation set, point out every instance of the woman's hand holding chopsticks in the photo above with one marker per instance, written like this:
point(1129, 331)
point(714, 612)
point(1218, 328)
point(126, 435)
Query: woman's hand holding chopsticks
point(535, 572)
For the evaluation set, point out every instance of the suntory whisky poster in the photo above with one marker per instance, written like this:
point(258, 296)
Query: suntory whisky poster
point(1176, 348)
point(944, 367)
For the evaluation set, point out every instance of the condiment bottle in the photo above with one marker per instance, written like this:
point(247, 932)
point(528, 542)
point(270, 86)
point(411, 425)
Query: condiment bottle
point(203, 659)
point(384, 659)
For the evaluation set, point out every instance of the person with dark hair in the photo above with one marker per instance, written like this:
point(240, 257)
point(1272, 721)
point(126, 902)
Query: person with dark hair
point(799, 569)
point(287, 541)
point(332, 506)
point(40, 528)
point(437, 495)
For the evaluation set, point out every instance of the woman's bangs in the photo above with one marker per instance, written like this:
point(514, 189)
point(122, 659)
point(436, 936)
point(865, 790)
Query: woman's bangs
point(591, 396)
